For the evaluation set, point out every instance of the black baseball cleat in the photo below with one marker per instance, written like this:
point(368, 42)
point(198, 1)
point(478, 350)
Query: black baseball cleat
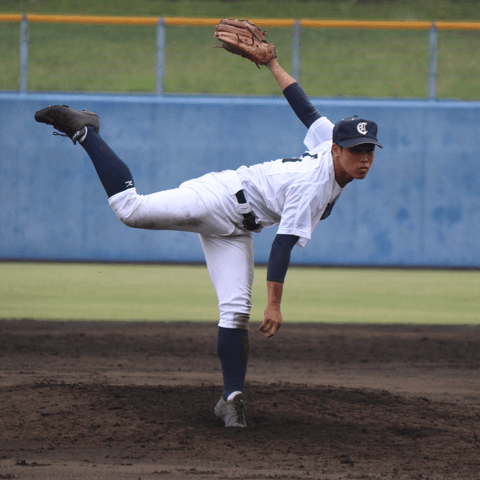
point(70, 122)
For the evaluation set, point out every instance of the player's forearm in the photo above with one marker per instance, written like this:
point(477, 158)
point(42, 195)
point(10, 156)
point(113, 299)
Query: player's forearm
point(272, 317)
point(275, 291)
point(279, 259)
point(295, 95)
point(281, 76)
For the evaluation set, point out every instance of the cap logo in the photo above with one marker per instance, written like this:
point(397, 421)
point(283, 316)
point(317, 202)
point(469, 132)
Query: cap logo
point(362, 128)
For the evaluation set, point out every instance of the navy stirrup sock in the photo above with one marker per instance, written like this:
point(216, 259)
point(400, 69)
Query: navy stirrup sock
point(113, 173)
point(232, 349)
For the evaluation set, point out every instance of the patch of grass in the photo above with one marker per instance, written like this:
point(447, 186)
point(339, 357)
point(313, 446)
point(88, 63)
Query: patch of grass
point(10, 56)
point(63, 291)
point(365, 63)
point(92, 58)
point(455, 10)
point(105, 291)
point(457, 68)
point(383, 296)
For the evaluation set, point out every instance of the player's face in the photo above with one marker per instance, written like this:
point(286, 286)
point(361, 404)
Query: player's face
point(354, 162)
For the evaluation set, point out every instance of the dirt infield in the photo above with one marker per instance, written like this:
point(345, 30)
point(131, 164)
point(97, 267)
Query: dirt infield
point(106, 400)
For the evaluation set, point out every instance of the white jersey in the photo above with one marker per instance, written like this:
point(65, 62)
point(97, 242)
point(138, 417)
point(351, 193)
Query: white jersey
point(295, 193)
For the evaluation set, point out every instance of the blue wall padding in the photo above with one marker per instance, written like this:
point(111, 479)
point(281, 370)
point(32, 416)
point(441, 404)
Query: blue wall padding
point(419, 205)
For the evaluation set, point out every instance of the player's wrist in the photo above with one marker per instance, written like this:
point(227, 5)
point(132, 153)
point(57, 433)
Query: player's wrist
point(272, 64)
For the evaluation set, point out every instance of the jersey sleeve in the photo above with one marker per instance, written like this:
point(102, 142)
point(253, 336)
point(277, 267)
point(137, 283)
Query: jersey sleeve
point(297, 224)
point(305, 203)
point(298, 215)
point(320, 131)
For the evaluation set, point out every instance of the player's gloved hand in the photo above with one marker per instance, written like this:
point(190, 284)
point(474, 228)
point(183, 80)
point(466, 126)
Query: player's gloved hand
point(272, 321)
point(244, 38)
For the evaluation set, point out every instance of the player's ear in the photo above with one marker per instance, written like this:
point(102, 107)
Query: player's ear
point(336, 149)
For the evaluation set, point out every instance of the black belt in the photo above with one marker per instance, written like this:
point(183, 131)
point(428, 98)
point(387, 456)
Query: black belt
point(249, 220)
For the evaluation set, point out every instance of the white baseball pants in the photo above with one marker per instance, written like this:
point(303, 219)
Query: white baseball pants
point(206, 206)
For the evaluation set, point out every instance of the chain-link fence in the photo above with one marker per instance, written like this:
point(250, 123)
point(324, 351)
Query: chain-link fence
point(165, 55)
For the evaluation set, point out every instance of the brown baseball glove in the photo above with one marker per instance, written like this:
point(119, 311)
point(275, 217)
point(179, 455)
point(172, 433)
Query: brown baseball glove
point(244, 38)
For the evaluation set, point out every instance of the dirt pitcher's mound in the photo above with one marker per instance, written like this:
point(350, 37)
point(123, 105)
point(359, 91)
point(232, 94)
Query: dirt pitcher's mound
point(135, 400)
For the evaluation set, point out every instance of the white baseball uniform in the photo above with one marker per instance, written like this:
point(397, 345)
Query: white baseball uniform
point(292, 193)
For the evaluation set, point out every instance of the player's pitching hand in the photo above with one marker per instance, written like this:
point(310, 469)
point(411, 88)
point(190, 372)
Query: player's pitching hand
point(272, 321)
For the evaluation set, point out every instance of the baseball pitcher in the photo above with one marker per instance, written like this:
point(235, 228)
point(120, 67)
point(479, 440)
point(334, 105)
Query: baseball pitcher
point(226, 208)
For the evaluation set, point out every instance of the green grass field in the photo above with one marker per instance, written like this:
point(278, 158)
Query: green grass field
point(457, 10)
point(63, 291)
point(352, 63)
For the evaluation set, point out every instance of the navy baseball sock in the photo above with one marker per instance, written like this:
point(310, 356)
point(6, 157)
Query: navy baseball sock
point(232, 349)
point(112, 172)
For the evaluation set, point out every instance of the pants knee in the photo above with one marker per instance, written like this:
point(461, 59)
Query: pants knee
point(235, 320)
point(130, 221)
point(125, 205)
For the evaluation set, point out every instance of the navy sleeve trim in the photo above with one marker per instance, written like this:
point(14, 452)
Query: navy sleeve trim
point(280, 257)
point(301, 104)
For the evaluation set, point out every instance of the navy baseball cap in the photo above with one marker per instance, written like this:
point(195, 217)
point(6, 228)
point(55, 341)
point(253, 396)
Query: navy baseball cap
point(353, 131)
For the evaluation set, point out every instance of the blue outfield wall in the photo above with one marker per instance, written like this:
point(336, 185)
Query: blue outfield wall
point(419, 205)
